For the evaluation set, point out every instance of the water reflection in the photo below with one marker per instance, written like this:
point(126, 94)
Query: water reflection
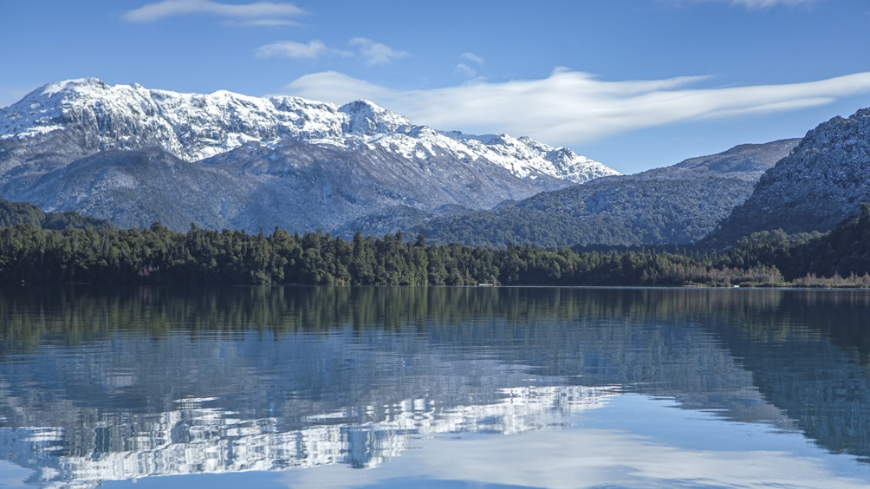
point(195, 438)
point(124, 384)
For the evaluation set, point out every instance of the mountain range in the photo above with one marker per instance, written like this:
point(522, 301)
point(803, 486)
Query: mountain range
point(679, 204)
point(135, 156)
point(795, 185)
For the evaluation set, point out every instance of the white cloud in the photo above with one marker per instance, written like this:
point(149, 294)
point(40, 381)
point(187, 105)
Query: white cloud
point(376, 53)
point(464, 69)
point(473, 58)
point(753, 4)
point(570, 107)
point(298, 50)
point(256, 13)
point(332, 86)
point(373, 52)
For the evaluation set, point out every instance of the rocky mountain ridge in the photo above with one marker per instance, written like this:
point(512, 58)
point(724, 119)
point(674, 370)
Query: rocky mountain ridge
point(822, 182)
point(197, 126)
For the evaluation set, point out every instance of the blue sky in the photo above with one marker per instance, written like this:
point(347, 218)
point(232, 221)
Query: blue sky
point(634, 84)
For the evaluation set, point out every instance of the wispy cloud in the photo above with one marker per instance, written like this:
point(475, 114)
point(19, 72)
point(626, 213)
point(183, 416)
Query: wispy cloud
point(260, 13)
point(465, 68)
point(571, 107)
point(751, 4)
point(376, 53)
point(473, 58)
point(757, 4)
point(297, 50)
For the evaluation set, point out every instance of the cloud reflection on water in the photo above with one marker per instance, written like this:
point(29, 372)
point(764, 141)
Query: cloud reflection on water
point(725, 454)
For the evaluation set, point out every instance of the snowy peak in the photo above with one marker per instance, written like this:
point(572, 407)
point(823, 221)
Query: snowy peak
point(74, 85)
point(197, 126)
point(191, 126)
point(368, 119)
point(528, 158)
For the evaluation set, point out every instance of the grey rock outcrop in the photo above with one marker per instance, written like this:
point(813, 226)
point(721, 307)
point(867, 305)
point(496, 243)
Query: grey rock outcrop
point(821, 183)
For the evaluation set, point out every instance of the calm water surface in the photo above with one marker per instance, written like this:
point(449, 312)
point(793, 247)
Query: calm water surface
point(434, 388)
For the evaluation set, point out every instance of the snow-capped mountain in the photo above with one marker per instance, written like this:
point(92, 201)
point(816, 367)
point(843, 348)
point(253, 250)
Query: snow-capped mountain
point(197, 126)
point(222, 160)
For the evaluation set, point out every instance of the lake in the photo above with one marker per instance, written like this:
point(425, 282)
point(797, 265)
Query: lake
point(434, 387)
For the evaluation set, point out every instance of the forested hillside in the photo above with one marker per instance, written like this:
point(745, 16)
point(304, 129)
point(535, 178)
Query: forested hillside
point(679, 204)
point(30, 255)
point(15, 213)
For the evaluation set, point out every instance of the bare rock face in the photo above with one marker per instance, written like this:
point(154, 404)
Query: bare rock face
point(822, 182)
point(135, 155)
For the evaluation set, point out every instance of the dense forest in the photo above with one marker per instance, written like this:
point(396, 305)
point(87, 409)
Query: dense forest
point(604, 212)
point(33, 255)
point(14, 213)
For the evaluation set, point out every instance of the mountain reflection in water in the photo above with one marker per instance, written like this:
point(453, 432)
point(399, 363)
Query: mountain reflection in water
point(124, 384)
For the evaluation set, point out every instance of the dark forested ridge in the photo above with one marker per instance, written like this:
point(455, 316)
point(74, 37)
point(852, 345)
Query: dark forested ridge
point(678, 204)
point(15, 213)
point(610, 211)
point(29, 255)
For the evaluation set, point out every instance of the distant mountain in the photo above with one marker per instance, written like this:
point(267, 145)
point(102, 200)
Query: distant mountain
point(820, 184)
point(679, 204)
point(14, 213)
point(135, 156)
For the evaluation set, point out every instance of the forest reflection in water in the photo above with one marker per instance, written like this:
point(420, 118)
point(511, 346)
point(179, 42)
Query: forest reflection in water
point(268, 378)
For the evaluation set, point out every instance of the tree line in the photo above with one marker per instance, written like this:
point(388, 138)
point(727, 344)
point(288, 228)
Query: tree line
point(32, 255)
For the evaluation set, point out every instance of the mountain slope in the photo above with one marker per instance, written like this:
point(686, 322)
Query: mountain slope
point(136, 188)
point(679, 204)
point(135, 156)
point(818, 185)
point(322, 186)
